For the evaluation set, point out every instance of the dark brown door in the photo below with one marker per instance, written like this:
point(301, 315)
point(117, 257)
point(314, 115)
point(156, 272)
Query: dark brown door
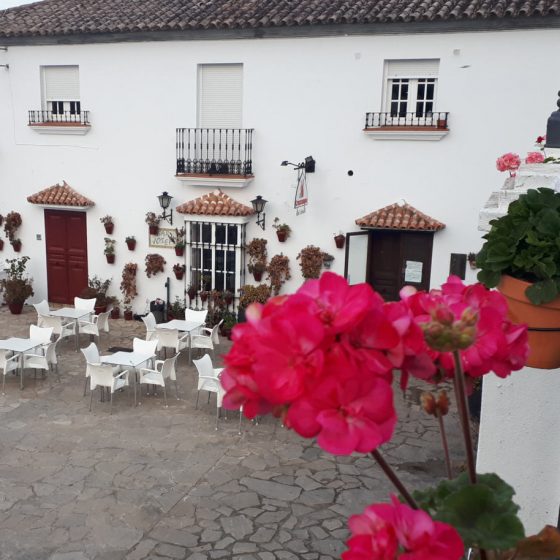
point(66, 243)
point(399, 258)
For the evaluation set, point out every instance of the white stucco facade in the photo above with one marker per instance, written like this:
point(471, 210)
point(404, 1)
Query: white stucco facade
point(302, 97)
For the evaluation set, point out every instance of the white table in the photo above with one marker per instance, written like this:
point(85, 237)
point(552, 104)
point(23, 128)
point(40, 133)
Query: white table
point(183, 326)
point(128, 359)
point(20, 346)
point(72, 313)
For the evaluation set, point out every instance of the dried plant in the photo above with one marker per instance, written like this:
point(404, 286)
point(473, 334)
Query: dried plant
point(251, 294)
point(311, 261)
point(11, 225)
point(278, 272)
point(154, 263)
point(128, 283)
point(257, 253)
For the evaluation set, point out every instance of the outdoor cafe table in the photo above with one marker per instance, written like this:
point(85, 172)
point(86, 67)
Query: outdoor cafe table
point(19, 345)
point(128, 359)
point(72, 313)
point(183, 326)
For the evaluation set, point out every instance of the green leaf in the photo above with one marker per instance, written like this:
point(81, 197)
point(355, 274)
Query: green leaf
point(484, 514)
point(548, 222)
point(489, 278)
point(542, 292)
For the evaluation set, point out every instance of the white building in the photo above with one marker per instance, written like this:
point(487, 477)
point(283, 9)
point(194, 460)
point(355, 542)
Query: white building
point(124, 102)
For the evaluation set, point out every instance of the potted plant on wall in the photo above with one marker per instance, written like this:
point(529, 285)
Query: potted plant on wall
point(128, 288)
point(17, 286)
point(283, 231)
point(192, 291)
point(130, 242)
point(107, 221)
point(179, 270)
point(12, 223)
point(339, 240)
point(278, 270)
point(251, 294)
point(521, 256)
point(178, 239)
point(154, 263)
point(109, 250)
point(311, 261)
point(327, 260)
point(257, 253)
point(152, 219)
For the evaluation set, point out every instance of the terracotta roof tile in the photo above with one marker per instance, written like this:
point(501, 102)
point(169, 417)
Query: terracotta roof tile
point(90, 17)
point(397, 216)
point(215, 204)
point(60, 195)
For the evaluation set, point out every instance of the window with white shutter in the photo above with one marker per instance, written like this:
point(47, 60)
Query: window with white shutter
point(410, 90)
point(61, 90)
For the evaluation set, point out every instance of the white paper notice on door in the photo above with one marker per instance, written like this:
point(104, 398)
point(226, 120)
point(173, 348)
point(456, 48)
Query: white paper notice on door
point(413, 272)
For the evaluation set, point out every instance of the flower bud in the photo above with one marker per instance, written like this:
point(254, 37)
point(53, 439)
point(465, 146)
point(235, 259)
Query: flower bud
point(428, 403)
point(469, 317)
point(442, 403)
point(443, 315)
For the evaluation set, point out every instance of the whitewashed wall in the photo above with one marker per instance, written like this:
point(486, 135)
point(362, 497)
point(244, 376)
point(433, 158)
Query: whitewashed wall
point(303, 97)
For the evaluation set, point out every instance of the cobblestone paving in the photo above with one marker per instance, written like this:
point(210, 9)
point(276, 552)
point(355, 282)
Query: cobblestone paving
point(151, 482)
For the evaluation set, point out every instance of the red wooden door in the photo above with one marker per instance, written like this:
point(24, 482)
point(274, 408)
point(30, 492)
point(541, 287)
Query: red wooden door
point(66, 243)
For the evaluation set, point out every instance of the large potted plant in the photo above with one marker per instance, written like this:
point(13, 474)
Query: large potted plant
point(521, 257)
point(17, 286)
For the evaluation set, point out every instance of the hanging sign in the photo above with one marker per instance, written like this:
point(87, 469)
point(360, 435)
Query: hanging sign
point(301, 199)
point(162, 239)
point(413, 272)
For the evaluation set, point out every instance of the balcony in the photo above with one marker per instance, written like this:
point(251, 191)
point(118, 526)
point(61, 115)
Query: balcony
point(65, 122)
point(215, 157)
point(407, 126)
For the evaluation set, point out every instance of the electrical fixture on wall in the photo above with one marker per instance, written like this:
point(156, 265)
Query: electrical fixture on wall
point(164, 201)
point(258, 206)
point(308, 165)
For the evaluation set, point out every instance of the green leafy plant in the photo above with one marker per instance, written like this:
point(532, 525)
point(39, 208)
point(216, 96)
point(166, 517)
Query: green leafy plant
point(130, 239)
point(178, 238)
point(105, 220)
point(17, 286)
point(97, 288)
point(109, 246)
point(524, 244)
point(283, 229)
point(177, 308)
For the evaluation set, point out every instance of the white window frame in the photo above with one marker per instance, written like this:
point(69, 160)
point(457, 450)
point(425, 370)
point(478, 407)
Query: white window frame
point(413, 77)
point(59, 106)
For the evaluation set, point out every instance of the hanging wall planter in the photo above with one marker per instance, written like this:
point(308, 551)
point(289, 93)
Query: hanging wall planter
point(107, 221)
point(203, 296)
point(1, 244)
point(128, 314)
point(179, 270)
point(110, 250)
point(110, 258)
point(283, 231)
point(339, 241)
point(16, 244)
point(179, 251)
point(153, 222)
point(131, 242)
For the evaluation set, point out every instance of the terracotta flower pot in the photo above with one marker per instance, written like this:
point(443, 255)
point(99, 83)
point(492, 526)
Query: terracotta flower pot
point(228, 300)
point(154, 230)
point(441, 123)
point(115, 313)
point(544, 344)
point(179, 275)
point(16, 246)
point(339, 241)
point(282, 235)
point(131, 245)
point(257, 275)
point(1, 244)
point(128, 315)
point(109, 228)
point(110, 258)
point(15, 308)
point(179, 251)
point(203, 297)
point(191, 294)
point(100, 309)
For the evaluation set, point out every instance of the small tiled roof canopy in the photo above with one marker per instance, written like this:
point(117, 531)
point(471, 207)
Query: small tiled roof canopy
point(215, 204)
point(69, 17)
point(60, 195)
point(399, 216)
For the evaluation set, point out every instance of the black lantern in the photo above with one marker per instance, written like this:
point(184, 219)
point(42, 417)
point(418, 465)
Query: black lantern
point(164, 201)
point(553, 128)
point(258, 206)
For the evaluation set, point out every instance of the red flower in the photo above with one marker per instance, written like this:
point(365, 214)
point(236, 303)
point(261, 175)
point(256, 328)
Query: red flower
point(508, 162)
point(395, 531)
point(534, 157)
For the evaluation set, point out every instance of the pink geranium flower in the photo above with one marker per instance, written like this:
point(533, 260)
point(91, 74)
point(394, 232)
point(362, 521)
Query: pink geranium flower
point(395, 531)
point(534, 157)
point(508, 162)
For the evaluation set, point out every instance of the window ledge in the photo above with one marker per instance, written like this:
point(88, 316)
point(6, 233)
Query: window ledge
point(203, 180)
point(60, 128)
point(430, 133)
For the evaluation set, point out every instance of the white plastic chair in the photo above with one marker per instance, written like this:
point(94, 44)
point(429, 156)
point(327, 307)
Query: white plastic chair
point(85, 304)
point(44, 361)
point(164, 369)
point(150, 322)
point(59, 327)
point(169, 338)
point(209, 380)
point(42, 309)
point(206, 341)
point(91, 354)
point(101, 375)
point(8, 362)
point(42, 335)
point(98, 323)
point(196, 316)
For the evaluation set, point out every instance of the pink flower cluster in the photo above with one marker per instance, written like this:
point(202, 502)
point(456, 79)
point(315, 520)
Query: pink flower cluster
point(534, 157)
point(323, 358)
point(508, 162)
point(395, 531)
point(472, 319)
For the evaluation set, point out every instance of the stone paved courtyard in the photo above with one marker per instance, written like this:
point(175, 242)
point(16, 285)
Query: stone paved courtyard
point(153, 482)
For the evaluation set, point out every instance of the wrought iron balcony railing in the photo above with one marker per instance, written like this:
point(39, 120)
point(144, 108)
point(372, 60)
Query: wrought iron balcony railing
point(416, 120)
point(65, 117)
point(214, 151)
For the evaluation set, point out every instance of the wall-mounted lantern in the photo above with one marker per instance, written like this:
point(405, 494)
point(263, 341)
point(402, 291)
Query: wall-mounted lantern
point(164, 201)
point(258, 206)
